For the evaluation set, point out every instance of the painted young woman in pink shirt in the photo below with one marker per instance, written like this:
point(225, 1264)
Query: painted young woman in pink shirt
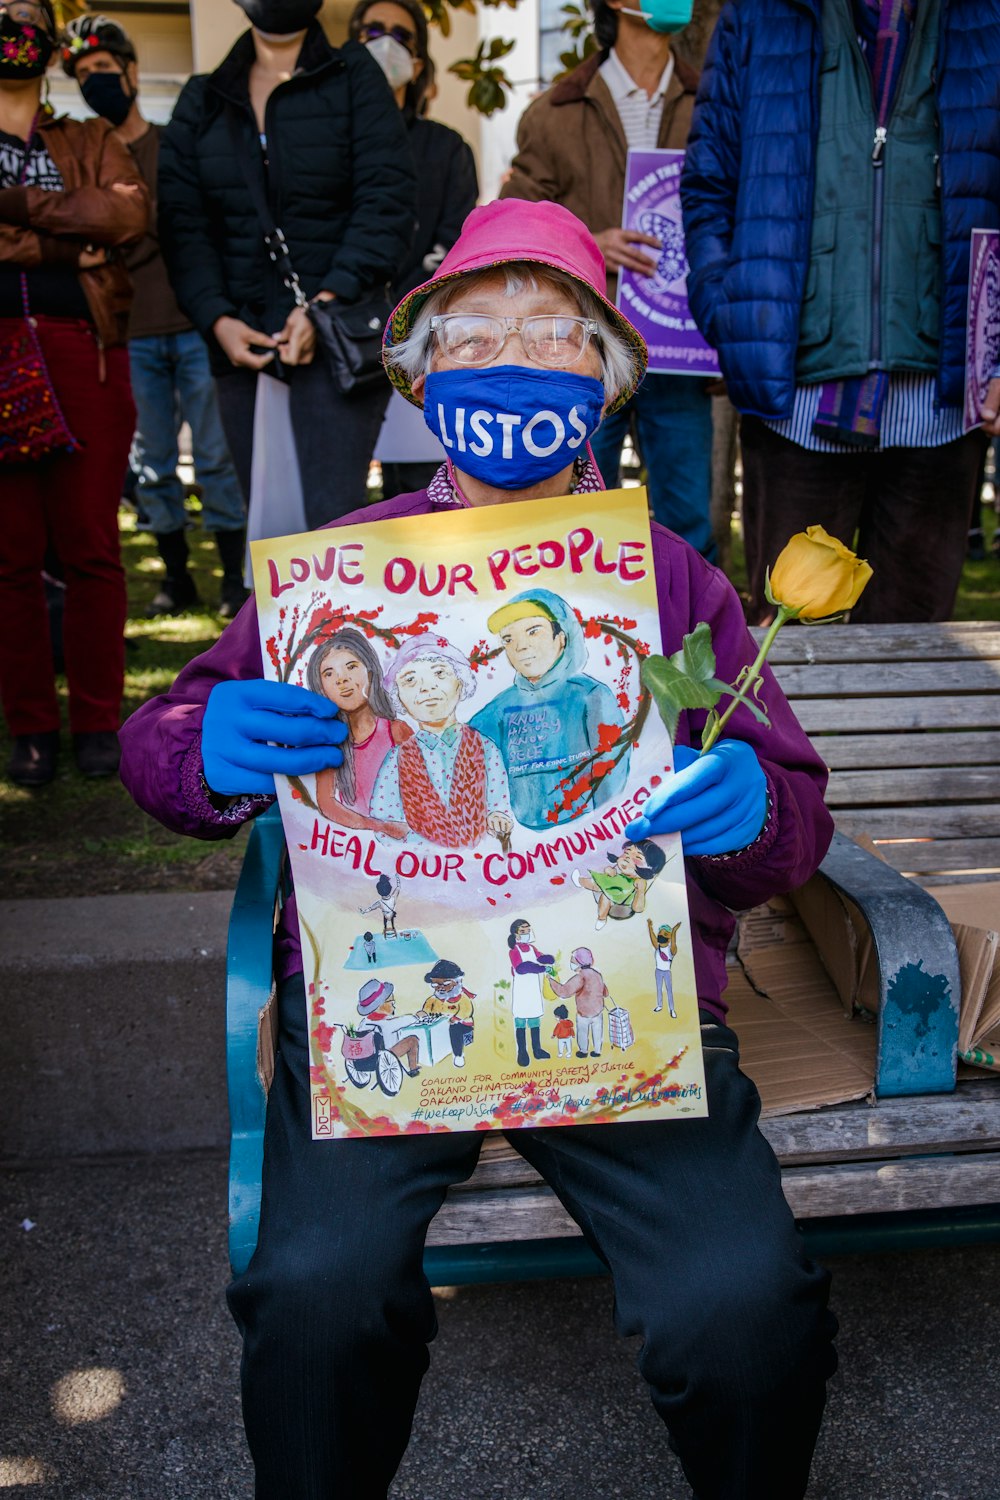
point(346, 670)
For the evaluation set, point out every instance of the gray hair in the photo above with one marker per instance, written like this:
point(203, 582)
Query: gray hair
point(463, 673)
point(412, 355)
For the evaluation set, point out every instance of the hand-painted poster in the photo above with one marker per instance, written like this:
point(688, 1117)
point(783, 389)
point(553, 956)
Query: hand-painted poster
point(658, 304)
point(483, 947)
point(982, 346)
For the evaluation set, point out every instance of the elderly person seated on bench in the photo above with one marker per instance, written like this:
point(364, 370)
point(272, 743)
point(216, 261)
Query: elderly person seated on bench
point(689, 1217)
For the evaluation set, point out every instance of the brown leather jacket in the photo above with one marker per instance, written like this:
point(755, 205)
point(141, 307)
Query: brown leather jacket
point(38, 227)
point(571, 147)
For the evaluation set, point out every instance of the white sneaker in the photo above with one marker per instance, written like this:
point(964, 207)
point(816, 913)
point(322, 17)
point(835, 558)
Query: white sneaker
point(458, 1061)
point(601, 922)
point(657, 1009)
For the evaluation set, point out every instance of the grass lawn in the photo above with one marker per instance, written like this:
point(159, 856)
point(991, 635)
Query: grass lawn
point(78, 837)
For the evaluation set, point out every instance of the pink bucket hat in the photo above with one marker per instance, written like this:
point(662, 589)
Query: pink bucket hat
point(513, 230)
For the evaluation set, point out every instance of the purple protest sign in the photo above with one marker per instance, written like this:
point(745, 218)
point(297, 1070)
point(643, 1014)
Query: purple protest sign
point(658, 304)
point(982, 342)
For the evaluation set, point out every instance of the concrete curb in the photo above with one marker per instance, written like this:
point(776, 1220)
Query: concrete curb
point(112, 1015)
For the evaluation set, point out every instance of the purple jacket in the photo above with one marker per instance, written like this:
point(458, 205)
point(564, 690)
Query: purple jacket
point(161, 755)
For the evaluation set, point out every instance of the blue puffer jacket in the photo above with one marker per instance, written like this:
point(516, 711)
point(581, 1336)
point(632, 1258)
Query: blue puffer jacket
point(747, 186)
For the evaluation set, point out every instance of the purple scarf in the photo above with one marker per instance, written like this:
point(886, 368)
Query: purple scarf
point(850, 411)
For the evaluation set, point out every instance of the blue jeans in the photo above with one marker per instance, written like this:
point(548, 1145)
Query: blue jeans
point(671, 419)
point(171, 383)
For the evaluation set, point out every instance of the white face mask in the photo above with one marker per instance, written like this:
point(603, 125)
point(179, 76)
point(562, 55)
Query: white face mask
point(394, 60)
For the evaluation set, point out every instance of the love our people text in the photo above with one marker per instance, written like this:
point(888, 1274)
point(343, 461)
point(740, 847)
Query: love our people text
point(580, 550)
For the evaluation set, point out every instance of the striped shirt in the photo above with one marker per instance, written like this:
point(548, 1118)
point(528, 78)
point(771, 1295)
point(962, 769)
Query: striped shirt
point(911, 418)
point(640, 115)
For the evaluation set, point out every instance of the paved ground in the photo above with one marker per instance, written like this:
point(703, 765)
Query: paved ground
point(118, 1365)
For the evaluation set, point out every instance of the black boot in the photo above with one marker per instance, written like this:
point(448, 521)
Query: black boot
point(522, 1051)
point(233, 594)
point(536, 1046)
point(33, 760)
point(177, 591)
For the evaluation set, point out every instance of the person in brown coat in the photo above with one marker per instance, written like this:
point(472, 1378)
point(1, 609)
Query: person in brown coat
point(636, 93)
point(71, 198)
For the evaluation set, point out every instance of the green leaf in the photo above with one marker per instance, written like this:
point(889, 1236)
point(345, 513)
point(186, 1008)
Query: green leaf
point(696, 658)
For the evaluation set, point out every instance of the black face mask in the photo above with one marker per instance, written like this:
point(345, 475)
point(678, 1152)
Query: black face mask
point(105, 94)
point(280, 17)
point(25, 50)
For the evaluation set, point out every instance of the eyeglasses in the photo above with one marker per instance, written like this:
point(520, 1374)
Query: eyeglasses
point(477, 338)
point(24, 11)
point(372, 30)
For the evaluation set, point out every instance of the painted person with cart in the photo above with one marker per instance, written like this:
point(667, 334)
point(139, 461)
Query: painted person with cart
point(710, 1275)
point(450, 998)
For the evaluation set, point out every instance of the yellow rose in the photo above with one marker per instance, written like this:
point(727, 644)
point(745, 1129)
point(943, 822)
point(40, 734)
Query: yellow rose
point(817, 576)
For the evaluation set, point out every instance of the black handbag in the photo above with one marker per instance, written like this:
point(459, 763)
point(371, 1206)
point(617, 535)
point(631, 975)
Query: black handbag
point(348, 334)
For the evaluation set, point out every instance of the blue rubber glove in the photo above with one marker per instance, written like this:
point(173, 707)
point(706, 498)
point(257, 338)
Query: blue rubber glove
point(717, 802)
point(253, 728)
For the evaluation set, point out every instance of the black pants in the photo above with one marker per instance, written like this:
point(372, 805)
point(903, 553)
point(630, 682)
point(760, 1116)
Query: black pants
point(689, 1217)
point(335, 435)
point(910, 508)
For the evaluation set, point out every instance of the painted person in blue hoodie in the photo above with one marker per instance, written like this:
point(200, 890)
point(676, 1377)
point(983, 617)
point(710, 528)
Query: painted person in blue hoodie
point(547, 723)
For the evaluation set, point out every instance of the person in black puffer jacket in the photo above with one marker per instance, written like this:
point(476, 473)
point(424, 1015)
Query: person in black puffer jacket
point(395, 33)
point(320, 126)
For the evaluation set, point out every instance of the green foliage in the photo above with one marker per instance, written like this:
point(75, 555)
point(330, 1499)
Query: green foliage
point(487, 82)
point(685, 680)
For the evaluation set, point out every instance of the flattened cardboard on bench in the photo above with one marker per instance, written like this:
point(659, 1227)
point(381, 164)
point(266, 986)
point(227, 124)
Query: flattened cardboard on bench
point(798, 1041)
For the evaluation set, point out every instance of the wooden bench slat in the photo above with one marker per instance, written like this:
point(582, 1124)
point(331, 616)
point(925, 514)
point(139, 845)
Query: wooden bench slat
point(960, 640)
point(930, 788)
point(978, 711)
point(812, 1192)
point(968, 1120)
point(965, 855)
point(889, 679)
point(969, 821)
point(843, 752)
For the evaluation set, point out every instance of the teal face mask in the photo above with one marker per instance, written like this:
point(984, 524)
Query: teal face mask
point(664, 15)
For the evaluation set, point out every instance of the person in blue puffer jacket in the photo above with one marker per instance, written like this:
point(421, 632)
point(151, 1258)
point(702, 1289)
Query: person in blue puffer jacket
point(840, 155)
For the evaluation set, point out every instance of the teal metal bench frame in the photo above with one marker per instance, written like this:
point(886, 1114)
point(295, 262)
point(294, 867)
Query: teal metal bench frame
point(916, 1054)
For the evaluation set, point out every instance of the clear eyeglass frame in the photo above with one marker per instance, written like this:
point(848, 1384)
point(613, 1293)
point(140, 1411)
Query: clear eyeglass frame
point(502, 328)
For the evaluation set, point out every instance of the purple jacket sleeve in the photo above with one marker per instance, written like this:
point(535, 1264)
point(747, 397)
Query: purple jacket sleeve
point(799, 828)
point(161, 742)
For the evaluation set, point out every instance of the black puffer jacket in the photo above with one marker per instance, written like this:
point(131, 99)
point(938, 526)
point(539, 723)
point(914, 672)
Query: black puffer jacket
point(447, 189)
point(340, 179)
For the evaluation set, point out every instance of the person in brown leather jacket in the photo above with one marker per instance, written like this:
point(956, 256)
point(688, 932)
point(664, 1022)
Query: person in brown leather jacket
point(70, 198)
point(637, 92)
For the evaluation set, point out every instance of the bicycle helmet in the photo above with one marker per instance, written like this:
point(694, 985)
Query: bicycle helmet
point(94, 34)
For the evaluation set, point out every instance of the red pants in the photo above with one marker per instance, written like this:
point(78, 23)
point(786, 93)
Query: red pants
point(69, 501)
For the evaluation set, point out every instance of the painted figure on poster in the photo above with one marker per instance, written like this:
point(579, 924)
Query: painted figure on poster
point(386, 896)
point(450, 998)
point(528, 967)
point(370, 950)
point(347, 670)
point(664, 941)
point(447, 783)
point(547, 723)
point(589, 993)
point(620, 888)
point(377, 1003)
point(563, 1031)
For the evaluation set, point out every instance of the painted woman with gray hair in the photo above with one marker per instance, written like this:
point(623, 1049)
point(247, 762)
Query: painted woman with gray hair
point(447, 783)
point(346, 670)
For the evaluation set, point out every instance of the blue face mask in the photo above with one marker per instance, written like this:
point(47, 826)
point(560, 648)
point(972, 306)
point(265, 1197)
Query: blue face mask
point(512, 425)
